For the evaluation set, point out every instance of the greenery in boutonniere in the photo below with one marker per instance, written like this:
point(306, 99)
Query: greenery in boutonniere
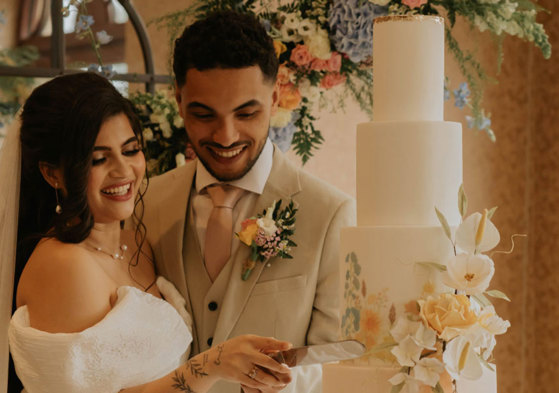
point(268, 235)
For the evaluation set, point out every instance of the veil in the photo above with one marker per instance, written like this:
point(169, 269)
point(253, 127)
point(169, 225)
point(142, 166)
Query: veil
point(10, 168)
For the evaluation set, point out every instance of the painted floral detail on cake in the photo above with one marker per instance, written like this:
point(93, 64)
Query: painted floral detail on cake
point(367, 316)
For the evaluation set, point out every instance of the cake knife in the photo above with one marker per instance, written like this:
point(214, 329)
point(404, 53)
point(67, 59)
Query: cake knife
point(320, 353)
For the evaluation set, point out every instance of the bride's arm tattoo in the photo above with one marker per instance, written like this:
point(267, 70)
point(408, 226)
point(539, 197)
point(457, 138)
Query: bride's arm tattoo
point(217, 361)
point(180, 383)
point(197, 370)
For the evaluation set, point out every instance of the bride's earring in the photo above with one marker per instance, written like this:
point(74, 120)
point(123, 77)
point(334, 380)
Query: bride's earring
point(58, 208)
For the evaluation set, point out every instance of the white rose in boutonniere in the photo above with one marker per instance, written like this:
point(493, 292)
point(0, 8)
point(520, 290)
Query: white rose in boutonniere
point(469, 273)
point(267, 223)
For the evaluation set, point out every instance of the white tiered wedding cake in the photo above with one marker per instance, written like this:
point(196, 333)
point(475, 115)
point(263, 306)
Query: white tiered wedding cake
point(409, 161)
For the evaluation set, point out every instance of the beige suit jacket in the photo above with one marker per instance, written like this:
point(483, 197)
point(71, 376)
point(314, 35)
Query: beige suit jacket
point(296, 300)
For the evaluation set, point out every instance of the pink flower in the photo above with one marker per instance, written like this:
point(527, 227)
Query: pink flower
point(414, 3)
point(334, 63)
point(331, 80)
point(318, 64)
point(301, 56)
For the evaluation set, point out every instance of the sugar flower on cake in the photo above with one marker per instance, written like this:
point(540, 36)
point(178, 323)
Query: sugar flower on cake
point(468, 273)
point(448, 314)
point(461, 359)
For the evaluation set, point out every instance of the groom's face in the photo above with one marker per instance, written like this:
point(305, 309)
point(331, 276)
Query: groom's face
point(227, 114)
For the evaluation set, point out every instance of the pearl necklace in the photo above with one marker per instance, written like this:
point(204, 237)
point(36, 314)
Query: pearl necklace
point(117, 255)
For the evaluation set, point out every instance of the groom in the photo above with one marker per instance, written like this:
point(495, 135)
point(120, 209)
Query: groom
point(225, 68)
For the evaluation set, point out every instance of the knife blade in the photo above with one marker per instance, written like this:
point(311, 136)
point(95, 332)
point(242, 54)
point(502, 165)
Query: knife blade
point(320, 353)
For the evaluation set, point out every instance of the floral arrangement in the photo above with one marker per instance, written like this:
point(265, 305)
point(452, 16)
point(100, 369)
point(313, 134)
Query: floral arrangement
point(453, 330)
point(166, 144)
point(268, 235)
point(325, 46)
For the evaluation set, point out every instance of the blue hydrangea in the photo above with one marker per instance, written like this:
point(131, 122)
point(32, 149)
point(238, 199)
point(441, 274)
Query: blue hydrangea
point(84, 22)
point(446, 93)
point(351, 27)
point(282, 136)
point(461, 95)
point(2, 18)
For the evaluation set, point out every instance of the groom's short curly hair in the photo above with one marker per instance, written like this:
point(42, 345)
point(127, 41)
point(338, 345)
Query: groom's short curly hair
point(225, 39)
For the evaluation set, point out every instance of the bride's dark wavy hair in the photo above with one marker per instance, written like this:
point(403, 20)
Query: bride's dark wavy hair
point(59, 125)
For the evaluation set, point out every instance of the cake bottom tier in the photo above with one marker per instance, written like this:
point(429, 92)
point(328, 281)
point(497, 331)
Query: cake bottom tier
point(338, 378)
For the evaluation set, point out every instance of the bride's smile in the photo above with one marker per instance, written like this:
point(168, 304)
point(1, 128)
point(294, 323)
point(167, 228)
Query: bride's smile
point(117, 170)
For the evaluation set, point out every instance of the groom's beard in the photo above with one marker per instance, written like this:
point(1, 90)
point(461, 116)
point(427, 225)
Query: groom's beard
point(236, 176)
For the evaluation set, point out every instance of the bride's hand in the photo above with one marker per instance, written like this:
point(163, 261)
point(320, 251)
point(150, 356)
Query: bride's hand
point(243, 359)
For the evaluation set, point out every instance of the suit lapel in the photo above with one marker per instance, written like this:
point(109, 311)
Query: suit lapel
point(282, 183)
point(172, 214)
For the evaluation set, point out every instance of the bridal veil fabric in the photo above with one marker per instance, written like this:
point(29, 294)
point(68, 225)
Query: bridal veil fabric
point(10, 168)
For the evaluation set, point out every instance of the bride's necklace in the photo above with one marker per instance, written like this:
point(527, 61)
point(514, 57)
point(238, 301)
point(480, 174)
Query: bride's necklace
point(117, 255)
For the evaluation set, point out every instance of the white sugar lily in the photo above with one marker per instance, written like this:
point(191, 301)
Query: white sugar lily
point(469, 273)
point(428, 371)
point(410, 384)
point(407, 352)
point(461, 359)
point(477, 234)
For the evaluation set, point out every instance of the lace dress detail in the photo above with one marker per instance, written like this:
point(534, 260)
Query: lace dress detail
point(140, 340)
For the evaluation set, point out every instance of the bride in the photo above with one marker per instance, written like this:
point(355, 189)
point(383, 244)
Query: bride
point(91, 314)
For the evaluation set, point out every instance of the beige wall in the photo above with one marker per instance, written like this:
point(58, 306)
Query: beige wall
point(519, 173)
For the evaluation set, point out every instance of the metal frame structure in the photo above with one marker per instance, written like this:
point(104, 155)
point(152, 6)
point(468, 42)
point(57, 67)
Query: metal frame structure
point(58, 50)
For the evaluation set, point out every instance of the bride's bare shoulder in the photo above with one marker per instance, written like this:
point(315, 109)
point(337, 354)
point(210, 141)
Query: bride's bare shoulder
point(63, 288)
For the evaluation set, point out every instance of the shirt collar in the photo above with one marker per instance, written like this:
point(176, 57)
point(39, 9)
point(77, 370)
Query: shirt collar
point(254, 180)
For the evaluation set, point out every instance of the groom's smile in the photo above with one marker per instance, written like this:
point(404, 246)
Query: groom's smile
point(227, 114)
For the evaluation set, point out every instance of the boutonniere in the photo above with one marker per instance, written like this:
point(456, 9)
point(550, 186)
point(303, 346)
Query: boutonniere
point(268, 235)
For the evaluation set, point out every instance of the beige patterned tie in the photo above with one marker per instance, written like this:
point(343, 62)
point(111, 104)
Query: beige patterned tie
point(219, 231)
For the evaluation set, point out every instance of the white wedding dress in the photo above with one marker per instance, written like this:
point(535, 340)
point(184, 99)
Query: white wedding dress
point(140, 340)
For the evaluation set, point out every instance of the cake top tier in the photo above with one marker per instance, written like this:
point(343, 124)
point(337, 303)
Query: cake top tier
point(408, 68)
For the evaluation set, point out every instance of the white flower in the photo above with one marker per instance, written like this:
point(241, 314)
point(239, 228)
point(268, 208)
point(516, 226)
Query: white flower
point(469, 273)
point(421, 335)
point(411, 385)
point(307, 90)
point(407, 352)
point(292, 21)
point(281, 118)
point(147, 134)
point(178, 121)
point(306, 28)
point(319, 44)
point(508, 9)
point(428, 371)
point(491, 322)
point(289, 34)
point(461, 360)
point(166, 129)
point(180, 159)
point(103, 37)
point(267, 223)
point(468, 230)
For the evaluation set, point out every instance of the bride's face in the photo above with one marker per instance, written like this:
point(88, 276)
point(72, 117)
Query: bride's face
point(116, 173)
